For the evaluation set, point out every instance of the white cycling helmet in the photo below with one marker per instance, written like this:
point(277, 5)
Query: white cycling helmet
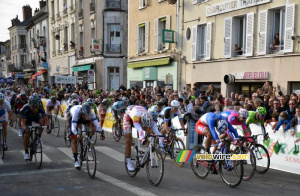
point(146, 120)
point(222, 126)
point(175, 104)
point(74, 96)
point(2, 96)
point(244, 113)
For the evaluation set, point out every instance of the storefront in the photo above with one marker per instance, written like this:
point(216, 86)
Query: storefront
point(152, 72)
point(85, 73)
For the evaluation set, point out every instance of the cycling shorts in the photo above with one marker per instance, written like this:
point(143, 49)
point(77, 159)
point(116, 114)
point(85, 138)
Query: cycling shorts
point(127, 124)
point(3, 116)
point(200, 128)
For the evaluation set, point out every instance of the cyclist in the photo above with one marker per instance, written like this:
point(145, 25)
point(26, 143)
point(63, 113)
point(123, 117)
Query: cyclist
point(32, 112)
point(40, 101)
point(12, 101)
point(119, 107)
point(74, 96)
point(21, 100)
point(140, 118)
point(5, 111)
point(167, 114)
point(81, 114)
point(90, 102)
point(257, 117)
point(154, 111)
point(67, 112)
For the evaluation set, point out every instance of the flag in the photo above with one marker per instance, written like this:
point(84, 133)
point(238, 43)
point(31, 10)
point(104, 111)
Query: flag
point(277, 147)
point(185, 156)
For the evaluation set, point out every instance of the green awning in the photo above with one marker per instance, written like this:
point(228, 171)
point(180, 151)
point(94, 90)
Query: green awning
point(163, 19)
point(148, 63)
point(27, 75)
point(142, 25)
point(82, 68)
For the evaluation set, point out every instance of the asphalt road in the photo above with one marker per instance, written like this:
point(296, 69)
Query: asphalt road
point(58, 176)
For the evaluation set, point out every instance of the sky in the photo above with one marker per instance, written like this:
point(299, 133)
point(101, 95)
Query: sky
point(9, 10)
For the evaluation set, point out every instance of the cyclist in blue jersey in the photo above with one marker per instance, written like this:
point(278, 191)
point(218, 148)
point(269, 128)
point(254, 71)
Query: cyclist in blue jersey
point(119, 107)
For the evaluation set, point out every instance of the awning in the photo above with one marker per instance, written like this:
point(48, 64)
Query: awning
point(148, 63)
point(82, 68)
point(37, 74)
point(27, 75)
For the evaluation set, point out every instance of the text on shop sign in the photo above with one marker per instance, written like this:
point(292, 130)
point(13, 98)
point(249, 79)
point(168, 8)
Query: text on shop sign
point(255, 75)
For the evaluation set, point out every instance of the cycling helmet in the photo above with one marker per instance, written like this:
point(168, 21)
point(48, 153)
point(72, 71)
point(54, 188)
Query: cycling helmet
point(104, 101)
point(8, 92)
point(244, 113)
point(74, 96)
point(35, 94)
point(75, 102)
point(53, 98)
point(146, 120)
point(160, 104)
point(90, 101)
point(222, 126)
point(33, 101)
point(23, 96)
point(2, 91)
point(14, 96)
point(175, 104)
point(125, 99)
point(261, 110)
point(2, 96)
point(86, 111)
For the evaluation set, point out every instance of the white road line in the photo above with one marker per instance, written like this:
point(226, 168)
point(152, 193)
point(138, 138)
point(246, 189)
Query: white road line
point(111, 153)
point(69, 153)
point(1, 162)
point(34, 172)
point(45, 158)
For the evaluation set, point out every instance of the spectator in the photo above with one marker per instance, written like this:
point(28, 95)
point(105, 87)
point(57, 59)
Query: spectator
point(260, 94)
point(232, 97)
point(132, 100)
point(291, 111)
point(195, 85)
point(205, 104)
point(274, 119)
point(267, 89)
point(227, 105)
point(257, 102)
point(295, 121)
point(254, 96)
point(284, 122)
point(283, 102)
point(276, 43)
point(236, 106)
point(211, 91)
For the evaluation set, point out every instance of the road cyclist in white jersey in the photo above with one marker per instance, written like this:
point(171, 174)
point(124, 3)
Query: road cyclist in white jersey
point(5, 112)
point(81, 114)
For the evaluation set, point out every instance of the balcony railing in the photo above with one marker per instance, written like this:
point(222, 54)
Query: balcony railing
point(114, 4)
point(80, 14)
point(22, 46)
point(13, 68)
point(92, 7)
point(29, 65)
point(113, 48)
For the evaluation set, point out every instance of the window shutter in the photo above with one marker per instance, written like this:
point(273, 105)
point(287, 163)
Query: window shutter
point(249, 34)
point(262, 36)
point(208, 40)
point(141, 4)
point(137, 39)
point(156, 34)
point(168, 26)
point(194, 43)
point(289, 27)
point(146, 37)
point(195, 2)
point(227, 37)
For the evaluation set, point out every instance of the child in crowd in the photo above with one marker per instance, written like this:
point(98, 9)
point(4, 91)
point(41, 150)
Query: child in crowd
point(275, 116)
point(283, 120)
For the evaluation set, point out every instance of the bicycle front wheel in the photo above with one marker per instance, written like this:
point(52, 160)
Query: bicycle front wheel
point(199, 167)
point(116, 132)
point(38, 153)
point(232, 172)
point(249, 165)
point(262, 158)
point(91, 160)
point(67, 137)
point(1, 143)
point(80, 153)
point(176, 147)
point(134, 159)
point(155, 167)
point(161, 148)
point(56, 126)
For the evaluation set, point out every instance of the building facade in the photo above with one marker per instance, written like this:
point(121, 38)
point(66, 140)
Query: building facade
point(101, 35)
point(151, 60)
point(61, 37)
point(255, 41)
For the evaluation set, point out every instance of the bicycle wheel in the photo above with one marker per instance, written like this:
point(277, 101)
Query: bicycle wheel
point(56, 126)
point(80, 153)
point(116, 132)
point(262, 158)
point(155, 167)
point(249, 165)
point(134, 159)
point(176, 147)
point(91, 160)
point(160, 148)
point(94, 138)
point(38, 153)
point(1, 143)
point(231, 172)
point(67, 137)
point(199, 167)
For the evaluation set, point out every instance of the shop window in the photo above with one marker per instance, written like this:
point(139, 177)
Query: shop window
point(295, 87)
point(136, 83)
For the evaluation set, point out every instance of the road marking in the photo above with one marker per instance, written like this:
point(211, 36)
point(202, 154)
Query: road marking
point(123, 185)
point(111, 153)
point(45, 158)
point(69, 153)
point(34, 172)
point(1, 162)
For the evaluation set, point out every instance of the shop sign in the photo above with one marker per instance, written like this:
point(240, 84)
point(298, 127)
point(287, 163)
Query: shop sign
point(96, 45)
point(168, 36)
point(262, 75)
point(169, 79)
point(150, 73)
point(91, 75)
point(65, 79)
point(232, 5)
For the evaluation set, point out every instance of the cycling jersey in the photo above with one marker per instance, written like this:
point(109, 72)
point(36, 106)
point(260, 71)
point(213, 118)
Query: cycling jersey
point(167, 114)
point(27, 113)
point(76, 118)
point(19, 103)
point(94, 107)
point(51, 105)
point(232, 117)
point(118, 108)
point(133, 116)
point(252, 119)
point(209, 120)
point(154, 112)
point(4, 108)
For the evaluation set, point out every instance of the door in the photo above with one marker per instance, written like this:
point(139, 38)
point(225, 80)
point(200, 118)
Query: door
point(114, 78)
point(149, 85)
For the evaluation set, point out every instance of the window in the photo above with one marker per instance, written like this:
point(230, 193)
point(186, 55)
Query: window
point(142, 38)
point(239, 35)
point(277, 32)
point(93, 33)
point(159, 25)
point(53, 42)
point(201, 46)
point(80, 5)
point(72, 32)
point(81, 38)
point(114, 36)
point(142, 4)
point(65, 39)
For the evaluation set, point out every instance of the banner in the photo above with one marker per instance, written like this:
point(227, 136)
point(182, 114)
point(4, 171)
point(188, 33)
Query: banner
point(65, 79)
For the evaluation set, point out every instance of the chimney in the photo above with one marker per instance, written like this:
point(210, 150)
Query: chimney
point(27, 12)
point(42, 4)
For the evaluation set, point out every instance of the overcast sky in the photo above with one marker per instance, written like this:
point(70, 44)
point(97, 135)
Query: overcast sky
point(9, 10)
